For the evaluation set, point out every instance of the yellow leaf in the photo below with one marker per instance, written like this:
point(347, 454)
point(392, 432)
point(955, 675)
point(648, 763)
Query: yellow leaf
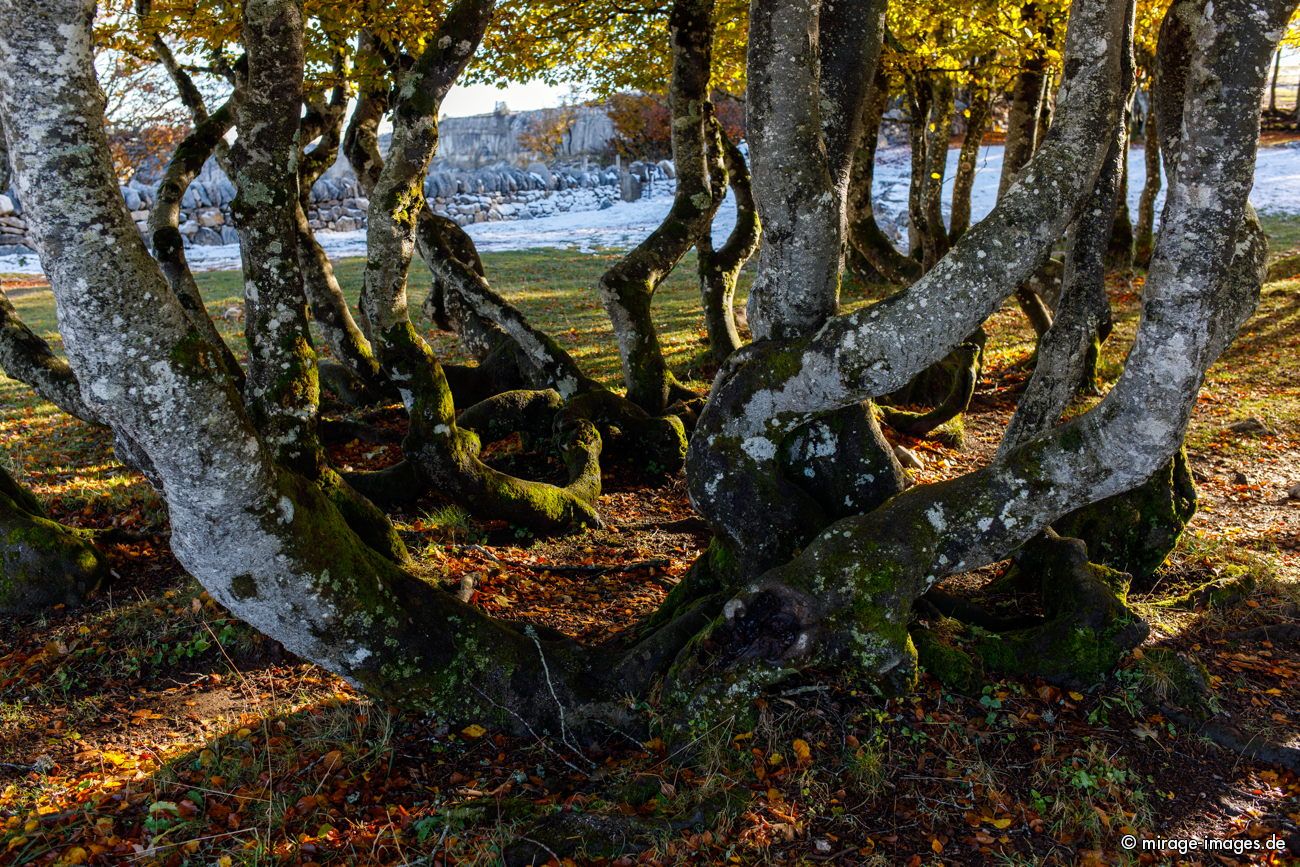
point(1077, 696)
point(75, 855)
point(473, 731)
point(243, 733)
point(935, 175)
point(935, 845)
point(1001, 824)
point(802, 752)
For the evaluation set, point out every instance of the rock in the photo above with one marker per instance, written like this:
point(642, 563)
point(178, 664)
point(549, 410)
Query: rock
point(140, 216)
point(1240, 478)
point(206, 237)
point(132, 197)
point(189, 227)
point(229, 235)
point(16, 250)
point(1251, 426)
point(6, 206)
point(1293, 492)
point(630, 187)
point(668, 169)
point(908, 458)
point(346, 224)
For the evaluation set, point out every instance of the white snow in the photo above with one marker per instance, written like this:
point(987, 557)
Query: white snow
point(625, 224)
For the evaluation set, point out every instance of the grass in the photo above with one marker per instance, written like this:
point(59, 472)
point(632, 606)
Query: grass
point(286, 765)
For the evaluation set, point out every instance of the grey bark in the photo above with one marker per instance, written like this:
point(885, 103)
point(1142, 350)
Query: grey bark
point(282, 388)
point(26, 357)
point(164, 217)
point(763, 394)
point(1204, 282)
point(1084, 309)
point(801, 178)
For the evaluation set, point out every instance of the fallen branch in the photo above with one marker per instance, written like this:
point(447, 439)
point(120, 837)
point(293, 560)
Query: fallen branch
point(1229, 737)
point(1269, 632)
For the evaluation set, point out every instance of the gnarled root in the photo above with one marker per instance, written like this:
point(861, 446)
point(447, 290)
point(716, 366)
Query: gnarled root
point(1135, 531)
point(42, 563)
point(960, 370)
point(1087, 628)
point(656, 443)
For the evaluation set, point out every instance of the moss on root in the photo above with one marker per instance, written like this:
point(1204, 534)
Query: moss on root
point(1135, 531)
point(42, 563)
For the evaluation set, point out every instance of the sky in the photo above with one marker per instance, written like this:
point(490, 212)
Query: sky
point(470, 99)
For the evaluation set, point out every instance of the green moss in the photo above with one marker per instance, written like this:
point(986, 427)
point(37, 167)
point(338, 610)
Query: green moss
point(1135, 532)
point(243, 587)
point(939, 655)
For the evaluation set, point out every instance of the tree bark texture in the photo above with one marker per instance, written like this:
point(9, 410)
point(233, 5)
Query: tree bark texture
point(627, 289)
point(871, 252)
point(273, 548)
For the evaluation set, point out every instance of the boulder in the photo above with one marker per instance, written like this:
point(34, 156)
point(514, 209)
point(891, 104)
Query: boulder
point(206, 237)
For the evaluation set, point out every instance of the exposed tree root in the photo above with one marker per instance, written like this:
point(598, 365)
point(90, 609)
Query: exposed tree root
point(42, 563)
point(1087, 628)
point(1135, 531)
point(962, 368)
point(1226, 735)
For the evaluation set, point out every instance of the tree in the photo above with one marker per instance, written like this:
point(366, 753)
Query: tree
point(817, 562)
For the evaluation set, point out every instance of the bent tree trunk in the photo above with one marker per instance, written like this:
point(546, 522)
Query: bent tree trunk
point(1144, 232)
point(360, 378)
point(164, 217)
point(871, 253)
point(720, 268)
point(266, 542)
point(445, 454)
point(627, 289)
point(42, 563)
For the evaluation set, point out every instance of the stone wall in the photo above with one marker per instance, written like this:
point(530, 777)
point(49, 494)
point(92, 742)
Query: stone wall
point(493, 138)
point(499, 192)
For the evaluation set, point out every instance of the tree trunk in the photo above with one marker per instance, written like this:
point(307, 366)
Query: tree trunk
point(361, 376)
point(1144, 233)
point(627, 289)
point(283, 389)
point(275, 550)
point(4, 162)
point(963, 182)
point(1119, 249)
point(26, 357)
point(720, 269)
point(164, 220)
point(1272, 89)
point(870, 251)
point(936, 133)
point(446, 455)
